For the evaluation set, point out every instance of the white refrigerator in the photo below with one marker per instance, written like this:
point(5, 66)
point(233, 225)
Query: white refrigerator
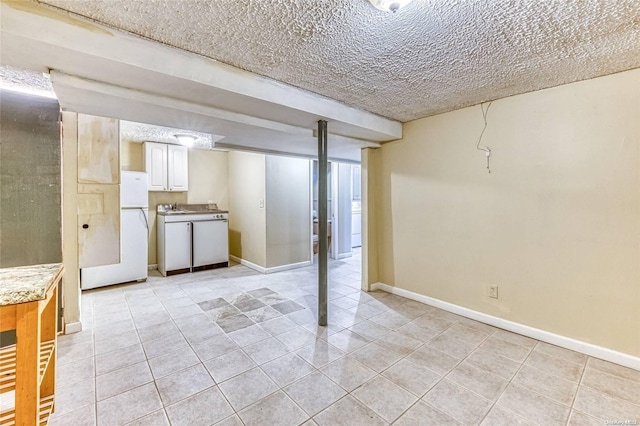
point(134, 237)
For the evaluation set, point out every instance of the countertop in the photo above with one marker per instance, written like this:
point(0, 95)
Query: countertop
point(181, 209)
point(182, 212)
point(23, 284)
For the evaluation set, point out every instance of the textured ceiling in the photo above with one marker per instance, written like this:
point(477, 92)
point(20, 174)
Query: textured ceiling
point(141, 132)
point(25, 80)
point(430, 57)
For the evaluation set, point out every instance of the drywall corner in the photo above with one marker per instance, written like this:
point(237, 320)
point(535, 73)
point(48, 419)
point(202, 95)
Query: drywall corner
point(247, 218)
point(71, 279)
point(369, 176)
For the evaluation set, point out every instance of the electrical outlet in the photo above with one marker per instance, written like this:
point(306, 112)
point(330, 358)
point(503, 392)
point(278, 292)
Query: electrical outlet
point(261, 203)
point(493, 291)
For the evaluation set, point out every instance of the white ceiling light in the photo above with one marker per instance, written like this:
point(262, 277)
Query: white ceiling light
point(390, 5)
point(186, 140)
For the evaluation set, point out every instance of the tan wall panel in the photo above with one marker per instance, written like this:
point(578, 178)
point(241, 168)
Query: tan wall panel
point(98, 149)
point(98, 224)
point(247, 220)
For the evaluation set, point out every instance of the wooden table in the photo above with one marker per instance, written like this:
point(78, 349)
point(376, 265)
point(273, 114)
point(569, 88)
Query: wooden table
point(29, 305)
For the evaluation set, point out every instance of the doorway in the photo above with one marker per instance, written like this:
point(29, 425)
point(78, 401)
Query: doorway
point(344, 209)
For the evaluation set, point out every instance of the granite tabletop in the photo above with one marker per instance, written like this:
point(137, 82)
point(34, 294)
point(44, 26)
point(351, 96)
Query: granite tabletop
point(23, 284)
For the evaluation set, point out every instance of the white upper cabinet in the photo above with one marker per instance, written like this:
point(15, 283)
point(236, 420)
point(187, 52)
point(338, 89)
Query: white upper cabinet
point(167, 166)
point(155, 164)
point(178, 168)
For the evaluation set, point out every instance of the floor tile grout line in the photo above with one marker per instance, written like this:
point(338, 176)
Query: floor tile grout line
point(259, 366)
point(318, 369)
point(607, 394)
point(148, 366)
point(407, 355)
point(444, 377)
point(293, 351)
point(326, 336)
point(575, 396)
point(477, 347)
point(216, 384)
point(154, 380)
point(506, 387)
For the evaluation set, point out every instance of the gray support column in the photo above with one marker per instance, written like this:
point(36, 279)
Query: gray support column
point(322, 223)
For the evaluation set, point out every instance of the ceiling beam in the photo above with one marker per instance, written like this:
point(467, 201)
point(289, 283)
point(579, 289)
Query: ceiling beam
point(78, 46)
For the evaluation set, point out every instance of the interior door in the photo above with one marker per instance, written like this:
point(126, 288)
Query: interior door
point(342, 234)
point(177, 245)
point(332, 210)
point(210, 242)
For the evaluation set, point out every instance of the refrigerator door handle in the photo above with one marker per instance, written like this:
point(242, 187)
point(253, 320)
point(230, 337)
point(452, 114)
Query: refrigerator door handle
point(146, 219)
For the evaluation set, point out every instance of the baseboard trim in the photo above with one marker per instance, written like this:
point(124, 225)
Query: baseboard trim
point(535, 333)
point(73, 327)
point(248, 264)
point(288, 267)
point(271, 270)
point(344, 255)
point(153, 267)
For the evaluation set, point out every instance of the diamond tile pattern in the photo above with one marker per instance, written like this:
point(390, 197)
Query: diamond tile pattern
point(237, 347)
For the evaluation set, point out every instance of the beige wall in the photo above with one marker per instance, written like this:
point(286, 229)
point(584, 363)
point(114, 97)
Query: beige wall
point(556, 225)
point(369, 175)
point(247, 220)
point(288, 205)
point(208, 180)
point(131, 156)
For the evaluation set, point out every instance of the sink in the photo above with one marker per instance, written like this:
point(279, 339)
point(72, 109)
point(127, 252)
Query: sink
point(172, 212)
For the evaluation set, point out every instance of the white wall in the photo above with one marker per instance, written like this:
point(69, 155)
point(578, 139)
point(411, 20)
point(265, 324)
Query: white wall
point(344, 210)
point(288, 193)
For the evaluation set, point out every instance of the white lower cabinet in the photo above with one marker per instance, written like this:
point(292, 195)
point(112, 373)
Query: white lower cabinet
point(190, 242)
point(177, 247)
point(210, 242)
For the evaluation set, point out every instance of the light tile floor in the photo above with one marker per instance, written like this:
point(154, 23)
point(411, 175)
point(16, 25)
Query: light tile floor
point(233, 347)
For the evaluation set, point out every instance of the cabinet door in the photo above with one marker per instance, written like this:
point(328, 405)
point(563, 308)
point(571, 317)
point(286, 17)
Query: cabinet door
point(155, 164)
point(98, 149)
point(177, 245)
point(178, 167)
point(98, 225)
point(210, 242)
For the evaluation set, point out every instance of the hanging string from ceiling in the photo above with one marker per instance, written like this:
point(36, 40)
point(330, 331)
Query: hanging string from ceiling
point(486, 149)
